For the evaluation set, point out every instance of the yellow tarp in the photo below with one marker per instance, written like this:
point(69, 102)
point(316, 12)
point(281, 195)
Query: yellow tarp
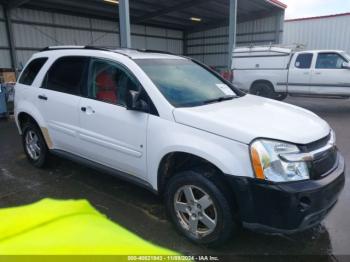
point(67, 227)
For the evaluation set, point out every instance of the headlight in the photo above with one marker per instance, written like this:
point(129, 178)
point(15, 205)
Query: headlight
point(269, 166)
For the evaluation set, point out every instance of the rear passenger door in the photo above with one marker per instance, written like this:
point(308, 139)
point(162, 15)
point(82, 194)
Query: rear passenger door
point(300, 73)
point(110, 134)
point(329, 76)
point(58, 100)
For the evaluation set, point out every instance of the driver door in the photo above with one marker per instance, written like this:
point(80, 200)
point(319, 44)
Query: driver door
point(329, 76)
point(110, 134)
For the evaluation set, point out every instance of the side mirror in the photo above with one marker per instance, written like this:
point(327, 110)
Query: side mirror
point(133, 102)
point(345, 65)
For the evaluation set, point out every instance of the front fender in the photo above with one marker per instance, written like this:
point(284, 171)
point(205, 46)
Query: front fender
point(164, 137)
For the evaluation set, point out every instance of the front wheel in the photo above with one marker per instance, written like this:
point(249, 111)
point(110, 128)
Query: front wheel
point(199, 208)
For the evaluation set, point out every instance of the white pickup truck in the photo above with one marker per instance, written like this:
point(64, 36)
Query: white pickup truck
point(276, 72)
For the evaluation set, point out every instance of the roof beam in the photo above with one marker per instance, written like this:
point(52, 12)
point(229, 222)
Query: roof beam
point(166, 10)
point(225, 22)
point(16, 3)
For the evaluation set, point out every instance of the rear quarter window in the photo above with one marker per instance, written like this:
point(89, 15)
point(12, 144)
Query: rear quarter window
point(304, 61)
point(31, 71)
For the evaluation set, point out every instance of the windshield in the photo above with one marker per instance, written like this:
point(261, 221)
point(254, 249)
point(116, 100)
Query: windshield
point(347, 56)
point(185, 83)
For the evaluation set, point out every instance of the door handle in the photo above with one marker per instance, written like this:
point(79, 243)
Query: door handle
point(88, 110)
point(306, 73)
point(42, 97)
point(317, 73)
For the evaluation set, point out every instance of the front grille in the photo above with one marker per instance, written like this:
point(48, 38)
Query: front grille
point(325, 163)
point(323, 166)
point(315, 145)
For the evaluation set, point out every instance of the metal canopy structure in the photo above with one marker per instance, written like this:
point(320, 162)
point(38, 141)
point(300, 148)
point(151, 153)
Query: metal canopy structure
point(162, 13)
point(188, 16)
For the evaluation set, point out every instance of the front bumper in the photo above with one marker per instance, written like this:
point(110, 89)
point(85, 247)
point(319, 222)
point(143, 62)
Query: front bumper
point(287, 207)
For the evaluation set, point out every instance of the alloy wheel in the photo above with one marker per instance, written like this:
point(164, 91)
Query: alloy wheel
point(195, 210)
point(32, 145)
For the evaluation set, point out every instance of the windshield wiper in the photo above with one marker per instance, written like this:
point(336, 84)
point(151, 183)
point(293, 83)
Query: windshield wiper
point(219, 99)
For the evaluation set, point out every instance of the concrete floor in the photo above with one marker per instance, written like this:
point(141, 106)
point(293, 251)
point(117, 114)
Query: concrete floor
point(142, 212)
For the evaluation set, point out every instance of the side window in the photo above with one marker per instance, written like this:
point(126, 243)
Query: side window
point(303, 61)
point(66, 75)
point(31, 71)
point(329, 61)
point(110, 82)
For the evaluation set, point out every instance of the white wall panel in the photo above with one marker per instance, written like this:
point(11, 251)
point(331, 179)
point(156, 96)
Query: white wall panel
point(31, 15)
point(73, 36)
point(215, 40)
point(110, 40)
point(104, 24)
point(156, 43)
point(5, 59)
point(35, 29)
point(23, 56)
point(138, 42)
point(138, 29)
point(68, 20)
point(28, 36)
point(322, 33)
point(211, 46)
point(174, 33)
point(175, 46)
point(3, 35)
point(1, 12)
point(217, 60)
point(155, 31)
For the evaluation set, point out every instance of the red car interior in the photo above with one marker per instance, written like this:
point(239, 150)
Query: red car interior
point(107, 88)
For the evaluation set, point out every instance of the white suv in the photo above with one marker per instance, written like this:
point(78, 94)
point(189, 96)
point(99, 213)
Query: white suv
point(219, 157)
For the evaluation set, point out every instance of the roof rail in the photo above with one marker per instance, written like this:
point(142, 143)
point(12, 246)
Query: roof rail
point(154, 51)
point(63, 47)
point(87, 47)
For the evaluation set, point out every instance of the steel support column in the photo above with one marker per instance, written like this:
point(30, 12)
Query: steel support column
point(279, 27)
point(232, 31)
point(10, 37)
point(124, 24)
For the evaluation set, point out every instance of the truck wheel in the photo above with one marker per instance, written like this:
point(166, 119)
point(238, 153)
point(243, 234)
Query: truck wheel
point(34, 145)
point(263, 89)
point(199, 209)
point(280, 96)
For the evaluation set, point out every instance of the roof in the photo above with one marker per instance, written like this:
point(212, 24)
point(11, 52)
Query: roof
point(139, 54)
point(161, 13)
point(317, 17)
point(278, 3)
point(320, 51)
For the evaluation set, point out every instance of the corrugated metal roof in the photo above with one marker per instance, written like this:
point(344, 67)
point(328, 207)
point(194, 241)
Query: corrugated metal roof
point(317, 17)
point(162, 13)
point(327, 32)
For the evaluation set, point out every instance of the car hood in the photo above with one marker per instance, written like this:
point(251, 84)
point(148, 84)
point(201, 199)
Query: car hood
point(249, 117)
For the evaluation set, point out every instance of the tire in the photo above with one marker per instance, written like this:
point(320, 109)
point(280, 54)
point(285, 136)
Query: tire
point(263, 89)
point(280, 96)
point(220, 212)
point(34, 145)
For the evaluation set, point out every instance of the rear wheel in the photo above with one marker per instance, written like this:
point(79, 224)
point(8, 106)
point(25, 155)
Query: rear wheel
point(199, 208)
point(34, 145)
point(263, 89)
